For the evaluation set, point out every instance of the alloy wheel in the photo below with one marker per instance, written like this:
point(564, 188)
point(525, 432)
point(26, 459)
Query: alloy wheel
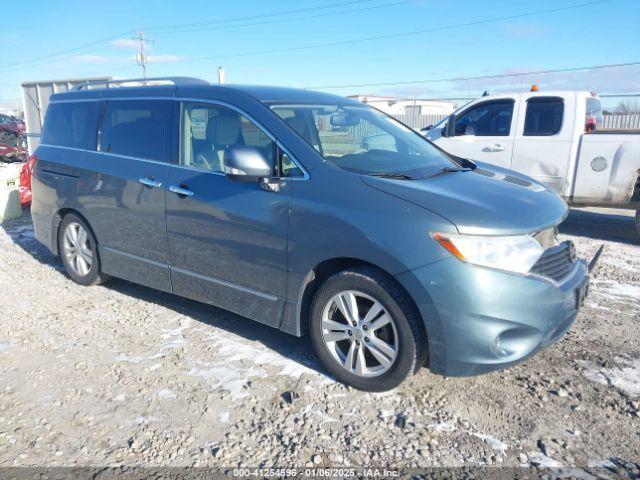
point(77, 249)
point(359, 333)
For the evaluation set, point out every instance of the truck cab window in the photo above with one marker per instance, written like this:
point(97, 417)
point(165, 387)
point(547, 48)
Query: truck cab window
point(487, 119)
point(544, 116)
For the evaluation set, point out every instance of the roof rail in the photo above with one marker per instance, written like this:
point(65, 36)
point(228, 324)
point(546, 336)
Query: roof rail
point(177, 81)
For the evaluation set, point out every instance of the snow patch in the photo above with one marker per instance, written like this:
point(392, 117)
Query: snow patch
point(165, 348)
point(120, 398)
point(225, 377)
point(165, 393)
point(5, 346)
point(143, 420)
point(625, 377)
point(223, 417)
point(232, 349)
point(495, 443)
point(616, 289)
point(540, 459)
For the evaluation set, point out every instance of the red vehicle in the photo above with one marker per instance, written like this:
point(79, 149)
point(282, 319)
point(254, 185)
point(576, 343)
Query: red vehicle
point(11, 125)
point(12, 150)
point(25, 181)
point(11, 132)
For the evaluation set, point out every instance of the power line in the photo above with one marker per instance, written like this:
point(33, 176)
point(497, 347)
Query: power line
point(282, 20)
point(478, 77)
point(263, 15)
point(133, 31)
point(70, 50)
point(401, 34)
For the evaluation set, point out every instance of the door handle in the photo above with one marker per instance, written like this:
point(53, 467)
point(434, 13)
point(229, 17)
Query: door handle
point(496, 147)
point(149, 182)
point(181, 192)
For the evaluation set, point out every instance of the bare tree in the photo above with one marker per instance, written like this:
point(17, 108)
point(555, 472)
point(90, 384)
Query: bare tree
point(628, 107)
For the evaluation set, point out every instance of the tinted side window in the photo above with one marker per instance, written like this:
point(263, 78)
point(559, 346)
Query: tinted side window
point(488, 119)
point(70, 124)
point(544, 116)
point(136, 128)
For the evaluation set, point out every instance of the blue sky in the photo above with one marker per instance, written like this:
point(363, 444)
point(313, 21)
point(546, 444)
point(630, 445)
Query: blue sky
point(597, 34)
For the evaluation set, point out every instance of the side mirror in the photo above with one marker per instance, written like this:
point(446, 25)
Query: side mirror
point(449, 129)
point(246, 164)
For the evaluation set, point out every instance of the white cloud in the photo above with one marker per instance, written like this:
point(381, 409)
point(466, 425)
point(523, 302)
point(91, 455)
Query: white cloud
point(125, 43)
point(605, 80)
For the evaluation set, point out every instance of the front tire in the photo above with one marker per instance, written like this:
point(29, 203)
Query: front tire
point(365, 330)
point(79, 251)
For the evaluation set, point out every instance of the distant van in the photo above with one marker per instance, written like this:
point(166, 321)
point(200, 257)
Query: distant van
point(310, 213)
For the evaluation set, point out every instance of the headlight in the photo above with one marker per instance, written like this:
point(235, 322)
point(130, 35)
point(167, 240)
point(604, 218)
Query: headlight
point(516, 253)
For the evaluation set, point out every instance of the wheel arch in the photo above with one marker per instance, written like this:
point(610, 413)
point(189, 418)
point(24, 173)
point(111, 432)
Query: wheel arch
point(327, 268)
point(57, 221)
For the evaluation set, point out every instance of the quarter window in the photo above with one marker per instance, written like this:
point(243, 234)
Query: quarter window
point(70, 124)
point(544, 116)
point(488, 119)
point(135, 129)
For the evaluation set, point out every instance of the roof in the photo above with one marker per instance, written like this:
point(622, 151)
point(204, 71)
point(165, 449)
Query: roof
point(271, 94)
point(184, 86)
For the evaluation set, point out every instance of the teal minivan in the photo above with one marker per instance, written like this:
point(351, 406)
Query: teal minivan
point(311, 213)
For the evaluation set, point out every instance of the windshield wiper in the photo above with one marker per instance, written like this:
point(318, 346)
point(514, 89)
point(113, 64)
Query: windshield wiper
point(396, 176)
point(450, 170)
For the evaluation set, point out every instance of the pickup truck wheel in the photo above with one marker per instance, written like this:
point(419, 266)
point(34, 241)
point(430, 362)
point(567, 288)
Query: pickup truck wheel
point(365, 330)
point(79, 251)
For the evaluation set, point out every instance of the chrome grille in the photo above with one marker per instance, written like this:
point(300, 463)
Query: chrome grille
point(556, 262)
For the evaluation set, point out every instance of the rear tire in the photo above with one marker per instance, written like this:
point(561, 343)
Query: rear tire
point(376, 348)
point(79, 251)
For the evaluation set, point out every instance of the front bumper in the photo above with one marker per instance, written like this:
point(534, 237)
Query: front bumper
point(479, 320)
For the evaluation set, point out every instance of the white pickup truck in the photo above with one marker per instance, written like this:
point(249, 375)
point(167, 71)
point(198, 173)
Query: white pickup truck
point(555, 137)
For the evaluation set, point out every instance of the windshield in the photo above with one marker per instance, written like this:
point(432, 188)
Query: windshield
point(363, 140)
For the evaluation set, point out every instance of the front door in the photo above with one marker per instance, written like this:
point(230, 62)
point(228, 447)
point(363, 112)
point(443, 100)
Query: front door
point(484, 132)
point(124, 199)
point(544, 142)
point(227, 239)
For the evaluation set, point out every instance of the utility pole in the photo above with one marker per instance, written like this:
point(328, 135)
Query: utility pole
point(143, 56)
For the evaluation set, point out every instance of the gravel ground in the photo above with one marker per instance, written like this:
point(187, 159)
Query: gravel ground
point(121, 374)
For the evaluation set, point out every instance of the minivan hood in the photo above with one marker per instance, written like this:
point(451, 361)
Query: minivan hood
point(486, 201)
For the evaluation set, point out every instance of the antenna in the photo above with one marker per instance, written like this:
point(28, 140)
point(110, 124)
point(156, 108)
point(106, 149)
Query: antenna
point(143, 56)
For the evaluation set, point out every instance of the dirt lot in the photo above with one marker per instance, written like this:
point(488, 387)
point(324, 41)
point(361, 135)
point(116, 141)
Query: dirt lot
point(121, 374)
